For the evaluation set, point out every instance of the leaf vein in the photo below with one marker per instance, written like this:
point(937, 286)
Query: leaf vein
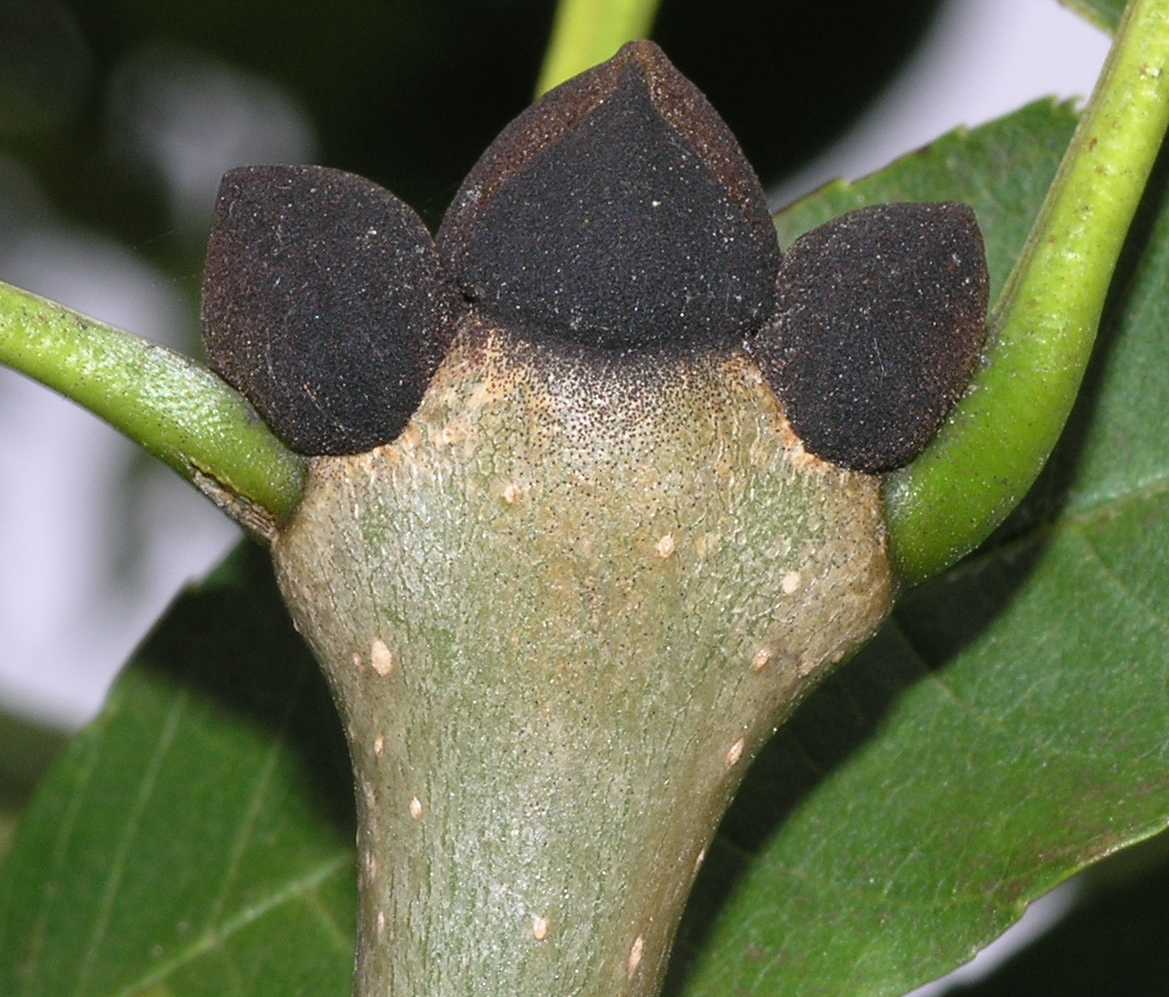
point(60, 849)
point(342, 861)
point(255, 801)
point(130, 829)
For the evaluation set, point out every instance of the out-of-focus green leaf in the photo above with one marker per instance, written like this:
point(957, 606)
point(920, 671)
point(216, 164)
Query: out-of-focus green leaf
point(197, 838)
point(1104, 13)
point(1008, 726)
point(26, 749)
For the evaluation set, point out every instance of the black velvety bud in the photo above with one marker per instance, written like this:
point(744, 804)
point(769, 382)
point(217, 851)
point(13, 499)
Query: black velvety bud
point(617, 213)
point(324, 304)
point(882, 317)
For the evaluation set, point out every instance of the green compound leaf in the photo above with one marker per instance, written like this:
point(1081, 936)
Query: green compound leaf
point(1005, 729)
point(1008, 726)
point(1103, 13)
point(197, 838)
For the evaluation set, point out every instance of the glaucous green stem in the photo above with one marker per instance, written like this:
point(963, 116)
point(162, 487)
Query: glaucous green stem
point(557, 629)
point(590, 31)
point(996, 442)
point(178, 411)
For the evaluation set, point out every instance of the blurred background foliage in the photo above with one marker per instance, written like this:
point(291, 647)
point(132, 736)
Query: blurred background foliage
point(123, 109)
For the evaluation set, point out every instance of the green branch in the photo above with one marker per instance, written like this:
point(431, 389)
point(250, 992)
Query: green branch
point(175, 409)
point(994, 446)
point(590, 31)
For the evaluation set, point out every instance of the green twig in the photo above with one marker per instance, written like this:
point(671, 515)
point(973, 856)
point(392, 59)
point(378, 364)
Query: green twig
point(176, 410)
point(590, 31)
point(994, 446)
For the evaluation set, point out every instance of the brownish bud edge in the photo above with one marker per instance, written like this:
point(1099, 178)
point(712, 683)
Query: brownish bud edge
point(882, 318)
point(618, 213)
point(324, 304)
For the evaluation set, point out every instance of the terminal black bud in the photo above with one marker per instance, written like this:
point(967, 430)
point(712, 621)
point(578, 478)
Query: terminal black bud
point(618, 213)
point(324, 304)
point(882, 317)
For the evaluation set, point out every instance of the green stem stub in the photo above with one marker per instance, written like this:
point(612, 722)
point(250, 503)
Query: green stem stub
point(996, 442)
point(169, 405)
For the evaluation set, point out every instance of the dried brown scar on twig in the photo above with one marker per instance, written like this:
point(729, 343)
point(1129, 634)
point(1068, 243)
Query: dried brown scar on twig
point(617, 213)
point(324, 304)
point(882, 316)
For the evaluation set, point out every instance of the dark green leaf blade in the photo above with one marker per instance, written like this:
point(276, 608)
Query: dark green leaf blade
point(26, 749)
point(1008, 726)
point(1103, 13)
point(1112, 942)
point(197, 838)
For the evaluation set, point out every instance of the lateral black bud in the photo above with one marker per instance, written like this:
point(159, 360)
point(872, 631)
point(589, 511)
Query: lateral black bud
point(619, 213)
point(324, 304)
point(882, 316)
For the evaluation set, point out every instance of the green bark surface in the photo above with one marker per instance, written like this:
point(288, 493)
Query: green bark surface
point(560, 614)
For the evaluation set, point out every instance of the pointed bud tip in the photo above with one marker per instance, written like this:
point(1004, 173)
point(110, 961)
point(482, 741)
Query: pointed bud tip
point(617, 213)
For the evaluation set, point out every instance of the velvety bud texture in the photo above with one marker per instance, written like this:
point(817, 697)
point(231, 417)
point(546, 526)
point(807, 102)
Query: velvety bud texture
point(882, 316)
point(324, 304)
point(616, 219)
point(619, 213)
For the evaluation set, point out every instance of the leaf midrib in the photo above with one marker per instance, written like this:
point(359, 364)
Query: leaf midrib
point(297, 888)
